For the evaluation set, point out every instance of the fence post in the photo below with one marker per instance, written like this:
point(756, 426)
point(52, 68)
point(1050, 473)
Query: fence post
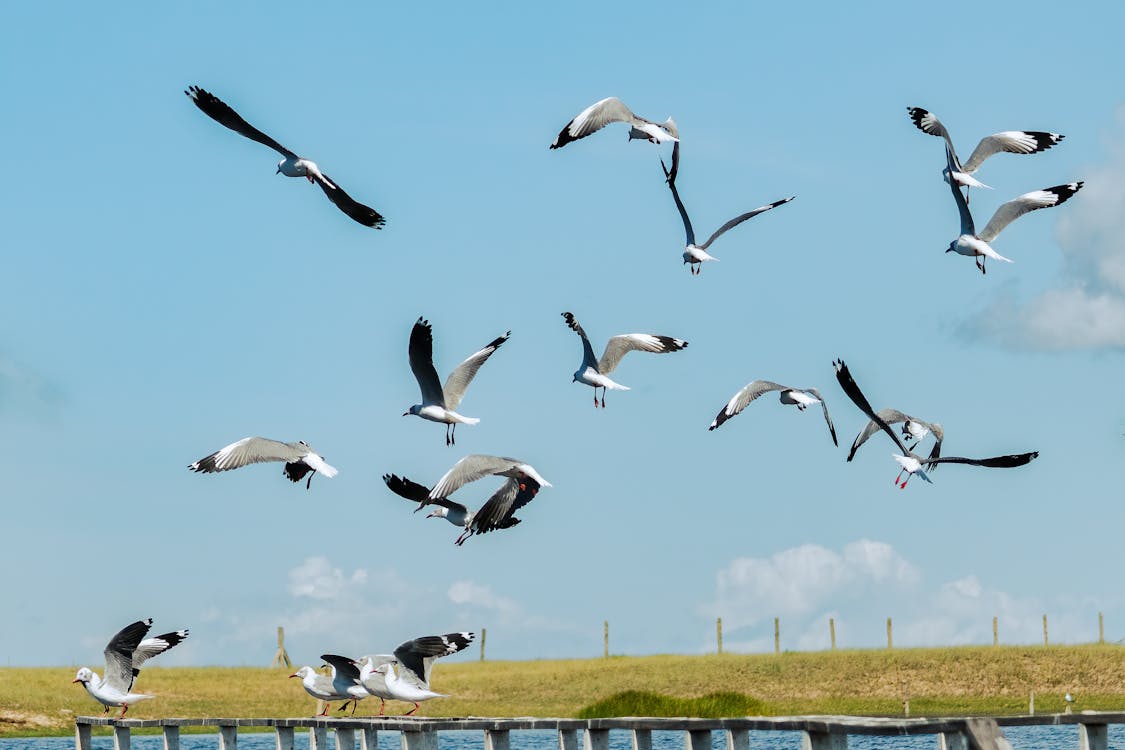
point(605, 639)
point(719, 633)
point(483, 636)
point(281, 658)
point(777, 635)
point(890, 640)
point(1044, 630)
point(1101, 628)
point(995, 631)
point(832, 631)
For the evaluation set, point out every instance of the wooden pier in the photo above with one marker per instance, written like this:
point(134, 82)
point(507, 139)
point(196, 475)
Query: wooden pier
point(818, 732)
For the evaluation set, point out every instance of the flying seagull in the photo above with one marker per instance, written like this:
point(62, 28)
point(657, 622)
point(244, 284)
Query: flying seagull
point(299, 458)
point(598, 115)
point(320, 687)
point(1010, 141)
point(345, 679)
point(439, 402)
point(291, 165)
point(496, 513)
point(976, 245)
point(801, 397)
point(478, 466)
point(594, 372)
point(695, 254)
point(910, 462)
point(415, 660)
point(912, 429)
point(124, 655)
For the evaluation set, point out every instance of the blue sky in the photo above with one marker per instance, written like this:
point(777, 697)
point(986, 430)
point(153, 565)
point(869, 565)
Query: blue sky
point(168, 294)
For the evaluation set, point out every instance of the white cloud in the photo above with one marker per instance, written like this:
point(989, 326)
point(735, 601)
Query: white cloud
point(317, 579)
point(467, 592)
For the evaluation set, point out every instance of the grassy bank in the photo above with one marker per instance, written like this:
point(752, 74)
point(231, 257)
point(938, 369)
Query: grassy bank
point(971, 680)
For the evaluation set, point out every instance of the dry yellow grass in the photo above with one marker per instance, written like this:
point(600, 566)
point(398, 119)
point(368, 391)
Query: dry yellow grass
point(940, 681)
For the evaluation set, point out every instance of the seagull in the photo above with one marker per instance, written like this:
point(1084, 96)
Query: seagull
point(346, 679)
point(801, 397)
point(477, 466)
point(290, 166)
point(912, 429)
point(976, 245)
point(594, 372)
point(376, 684)
point(415, 659)
point(695, 254)
point(124, 655)
point(496, 513)
point(598, 115)
point(299, 458)
point(1010, 141)
point(320, 687)
point(910, 462)
point(439, 402)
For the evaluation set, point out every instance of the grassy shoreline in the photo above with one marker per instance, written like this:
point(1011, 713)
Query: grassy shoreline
point(940, 681)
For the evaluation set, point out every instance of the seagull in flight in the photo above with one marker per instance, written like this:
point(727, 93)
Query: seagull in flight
point(299, 458)
point(695, 254)
point(910, 462)
point(124, 655)
point(438, 401)
point(415, 660)
point(802, 398)
point(912, 429)
point(498, 512)
point(474, 467)
point(291, 165)
point(1009, 141)
point(595, 372)
point(611, 109)
point(976, 245)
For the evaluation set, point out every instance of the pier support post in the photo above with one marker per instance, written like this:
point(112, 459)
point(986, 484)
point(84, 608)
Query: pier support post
point(318, 738)
point(120, 738)
point(228, 737)
point(595, 739)
point(171, 738)
point(642, 739)
point(496, 739)
point(952, 741)
point(345, 739)
point(1092, 737)
point(697, 739)
point(738, 739)
point(82, 739)
point(823, 741)
point(284, 740)
point(423, 740)
point(568, 739)
point(370, 738)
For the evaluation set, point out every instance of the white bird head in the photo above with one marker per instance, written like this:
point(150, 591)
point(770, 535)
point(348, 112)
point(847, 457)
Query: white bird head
point(84, 675)
point(439, 513)
point(303, 673)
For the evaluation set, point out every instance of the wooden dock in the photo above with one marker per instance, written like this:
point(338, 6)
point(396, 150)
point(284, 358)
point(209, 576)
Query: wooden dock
point(818, 732)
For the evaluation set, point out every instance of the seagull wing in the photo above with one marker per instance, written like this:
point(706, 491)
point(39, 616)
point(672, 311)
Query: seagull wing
point(470, 469)
point(588, 359)
point(345, 668)
point(742, 399)
point(671, 179)
point(928, 123)
point(365, 215)
point(496, 512)
point(844, 376)
point(670, 175)
point(824, 407)
point(422, 363)
point(1036, 199)
point(405, 488)
point(1012, 142)
point(464, 373)
point(594, 118)
point(220, 112)
point(741, 218)
point(967, 225)
point(417, 656)
point(889, 416)
point(251, 450)
point(939, 435)
point(618, 346)
point(155, 646)
point(119, 654)
point(999, 462)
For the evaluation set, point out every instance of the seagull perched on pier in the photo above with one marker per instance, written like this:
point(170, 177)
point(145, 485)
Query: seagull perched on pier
point(299, 458)
point(124, 655)
point(611, 109)
point(439, 402)
point(976, 245)
point(802, 398)
point(345, 680)
point(1009, 141)
point(496, 513)
point(415, 660)
point(910, 462)
point(694, 254)
point(320, 687)
point(291, 165)
point(595, 372)
point(912, 429)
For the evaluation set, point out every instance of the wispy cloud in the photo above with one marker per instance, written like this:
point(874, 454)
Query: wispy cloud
point(1085, 308)
point(23, 390)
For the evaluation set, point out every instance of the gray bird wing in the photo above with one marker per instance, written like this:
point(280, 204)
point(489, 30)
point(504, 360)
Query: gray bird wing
point(889, 416)
point(1036, 199)
point(594, 118)
point(618, 346)
point(119, 654)
point(847, 382)
point(741, 218)
point(155, 646)
point(470, 469)
point(1012, 142)
point(939, 435)
point(417, 656)
point(967, 225)
point(251, 450)
point(421, 351)
point(742, 399)
point(222, 113)
point(464, 373)
point(928, 123)
point(513, 495)
point(588, 359)
point(365, 215)
point(824, 407)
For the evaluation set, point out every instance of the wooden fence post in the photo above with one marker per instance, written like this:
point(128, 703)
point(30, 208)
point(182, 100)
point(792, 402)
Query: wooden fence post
point(890, 640)
point(1044, 630)
point(1101, 628)
point(483, 636)
point(995, 631)
point(832, 631)
point(777, 635)
point(719, 633)
point(281, 659)
point(605, 639)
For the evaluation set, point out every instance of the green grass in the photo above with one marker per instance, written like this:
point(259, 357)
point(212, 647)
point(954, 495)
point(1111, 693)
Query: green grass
point(940, 681)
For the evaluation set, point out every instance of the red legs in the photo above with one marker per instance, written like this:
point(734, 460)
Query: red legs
point(327, 705)
point(411, 711)
point(595, 397)
point(124, 708)
point(382, 706)
point(106, 711)
point(468, 532)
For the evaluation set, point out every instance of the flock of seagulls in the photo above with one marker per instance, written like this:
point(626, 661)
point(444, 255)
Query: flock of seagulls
point(405, 674)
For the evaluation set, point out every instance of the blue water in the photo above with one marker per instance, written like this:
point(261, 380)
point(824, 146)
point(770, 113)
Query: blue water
point(1022, 738)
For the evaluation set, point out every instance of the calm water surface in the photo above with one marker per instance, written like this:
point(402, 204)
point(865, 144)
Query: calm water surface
point(1022, 738)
